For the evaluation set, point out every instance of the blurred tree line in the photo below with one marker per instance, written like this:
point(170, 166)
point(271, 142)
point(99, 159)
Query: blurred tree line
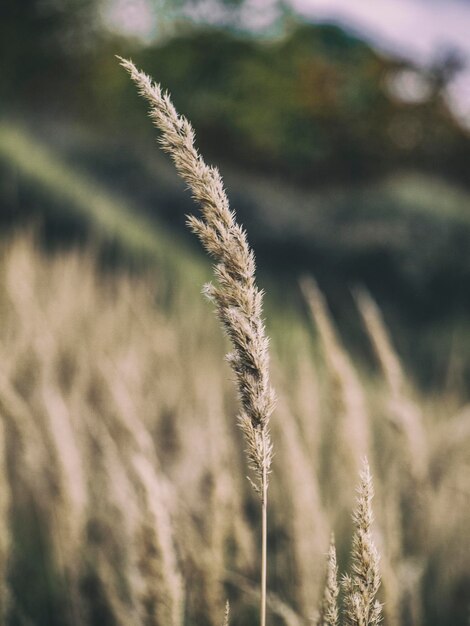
point(315, 106)
point(301, 103)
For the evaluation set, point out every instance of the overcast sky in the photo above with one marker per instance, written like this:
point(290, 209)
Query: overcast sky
point(413, 27)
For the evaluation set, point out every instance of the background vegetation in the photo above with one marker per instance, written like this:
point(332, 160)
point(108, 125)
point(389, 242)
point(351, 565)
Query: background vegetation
point(111, 364)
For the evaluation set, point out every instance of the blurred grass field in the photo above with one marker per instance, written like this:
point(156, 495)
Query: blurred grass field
point(102, 380)
point(114, 398)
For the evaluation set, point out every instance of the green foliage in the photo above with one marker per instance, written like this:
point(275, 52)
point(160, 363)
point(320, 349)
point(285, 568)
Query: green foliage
point(313, 106)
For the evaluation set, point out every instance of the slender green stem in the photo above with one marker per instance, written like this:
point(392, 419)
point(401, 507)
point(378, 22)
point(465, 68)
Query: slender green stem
point(264, 546)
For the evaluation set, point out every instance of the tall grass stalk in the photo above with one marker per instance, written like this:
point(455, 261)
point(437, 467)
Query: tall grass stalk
point(329, 614)
point(237, 299)
point(5, 536)
point(347, 393)
point(361, 587)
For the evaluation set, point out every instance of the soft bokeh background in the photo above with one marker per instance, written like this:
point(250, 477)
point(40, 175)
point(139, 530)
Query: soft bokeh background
point(342, 131)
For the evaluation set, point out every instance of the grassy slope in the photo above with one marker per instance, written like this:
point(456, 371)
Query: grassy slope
point(418, 226)
point(422, 224)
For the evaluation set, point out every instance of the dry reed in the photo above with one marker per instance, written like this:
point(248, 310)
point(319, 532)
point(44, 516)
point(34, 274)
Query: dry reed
point(226, 621)
point(238, 300)
point(304, 517)
point(361, 587)
point(91, 398)
point(119, 367)
point(347, 393)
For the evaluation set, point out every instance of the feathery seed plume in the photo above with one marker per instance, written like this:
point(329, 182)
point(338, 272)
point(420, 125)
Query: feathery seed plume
point(360, 589)
point(227, 614)
point(237, 298)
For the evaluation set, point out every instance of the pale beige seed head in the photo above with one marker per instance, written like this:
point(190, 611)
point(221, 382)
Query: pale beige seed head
point(361, 587)
point(237, 299)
